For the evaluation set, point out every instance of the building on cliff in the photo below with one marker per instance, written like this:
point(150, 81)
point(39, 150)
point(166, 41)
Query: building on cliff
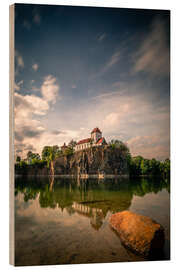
point(96, 139)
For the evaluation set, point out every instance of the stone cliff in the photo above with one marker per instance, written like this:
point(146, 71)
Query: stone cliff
point(95, 160)
point(92, 161)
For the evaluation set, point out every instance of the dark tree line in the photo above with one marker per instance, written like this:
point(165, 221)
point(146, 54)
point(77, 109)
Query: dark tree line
point(142, 166)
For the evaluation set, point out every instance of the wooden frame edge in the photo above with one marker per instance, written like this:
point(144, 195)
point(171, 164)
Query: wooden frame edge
point(11, 136)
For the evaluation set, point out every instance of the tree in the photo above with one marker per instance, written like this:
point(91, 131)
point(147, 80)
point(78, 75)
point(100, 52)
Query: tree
point(49, 154)
point(68, 151)
point(18, 159)
point(136, 165)
point(144, 166)
point(48, 150)
point(118, 144)
point(32, 156)
point(45, 152)
point(22, 164)
point(165, 168)
point(72, 144)
point(154, 167)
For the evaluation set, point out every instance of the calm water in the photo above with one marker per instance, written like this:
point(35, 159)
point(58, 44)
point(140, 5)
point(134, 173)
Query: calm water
point(68, 222)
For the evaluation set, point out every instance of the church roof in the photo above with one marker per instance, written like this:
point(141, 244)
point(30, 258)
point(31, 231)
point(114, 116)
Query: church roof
point(100, 140)
point(96, 130)
point(84, 141)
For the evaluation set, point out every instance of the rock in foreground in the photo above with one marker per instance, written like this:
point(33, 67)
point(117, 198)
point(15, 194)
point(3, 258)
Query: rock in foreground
point(139, 233)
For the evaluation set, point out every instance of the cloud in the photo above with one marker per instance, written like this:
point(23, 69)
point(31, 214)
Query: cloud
point(102, 37)
point(35, 67)
point(150, 146)
point(17, 86)
point(29, 130)
point(20, 148)
point(58, 132)
point(124, 114)
point(19, 60)
point(135, 120)
point(113, 60)
point(46, 137)
point(26, 108)
point(29, 105)
point(153, 56)
point(49, 89)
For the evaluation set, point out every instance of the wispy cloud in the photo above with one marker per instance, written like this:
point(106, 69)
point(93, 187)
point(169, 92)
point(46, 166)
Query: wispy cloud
point(35, 67)
point(102, 37)
point(19, 60)
point(17, 86)
point(49, 89)
point(153, 55)
point(112, 61)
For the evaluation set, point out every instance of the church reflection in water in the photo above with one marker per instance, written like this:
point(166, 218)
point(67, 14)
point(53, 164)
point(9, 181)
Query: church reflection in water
point(89, 198)
point(96, 215)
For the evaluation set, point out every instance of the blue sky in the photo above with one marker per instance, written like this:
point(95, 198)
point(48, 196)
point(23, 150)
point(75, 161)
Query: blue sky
point(77, 68)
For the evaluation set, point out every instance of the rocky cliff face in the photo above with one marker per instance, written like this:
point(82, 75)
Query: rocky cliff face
point(94, 160)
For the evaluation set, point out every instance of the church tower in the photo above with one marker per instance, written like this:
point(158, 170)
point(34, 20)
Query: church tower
point(96, 134)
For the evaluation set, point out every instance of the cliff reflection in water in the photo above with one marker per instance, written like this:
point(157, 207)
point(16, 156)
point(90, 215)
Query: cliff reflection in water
point(90, 198)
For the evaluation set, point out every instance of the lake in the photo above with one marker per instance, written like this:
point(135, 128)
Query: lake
point(67, 222)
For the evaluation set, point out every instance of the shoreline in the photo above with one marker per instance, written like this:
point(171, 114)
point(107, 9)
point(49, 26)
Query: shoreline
point(81, 176)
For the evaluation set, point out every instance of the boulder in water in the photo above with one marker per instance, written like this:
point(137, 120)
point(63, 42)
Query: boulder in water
point(139, 233)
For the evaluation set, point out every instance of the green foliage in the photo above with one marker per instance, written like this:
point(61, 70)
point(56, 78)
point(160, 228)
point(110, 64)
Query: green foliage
point(119, 144)
point(68, 151)
point(32, 156)
point(22, 164)
point(116, 144)
point(165, 168)
point(145, 167)
point(135, 165)
point(142, 166)
point(39, 163)
point(49, 153)
point(45, 152)
point(18, 159)
point(72, 144)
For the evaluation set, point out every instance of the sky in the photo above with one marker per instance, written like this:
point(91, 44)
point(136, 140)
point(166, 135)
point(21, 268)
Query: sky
point(77, 68)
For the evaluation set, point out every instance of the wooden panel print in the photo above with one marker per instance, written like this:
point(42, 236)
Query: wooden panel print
point(90, 134)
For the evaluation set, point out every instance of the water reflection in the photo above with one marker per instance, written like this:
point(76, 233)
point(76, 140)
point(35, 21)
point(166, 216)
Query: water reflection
point(90, 198)
point(60, 221)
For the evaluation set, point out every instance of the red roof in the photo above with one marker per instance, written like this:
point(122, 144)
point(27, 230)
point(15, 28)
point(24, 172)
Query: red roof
point(96, 130)
point(100, 140)
point(84, 141)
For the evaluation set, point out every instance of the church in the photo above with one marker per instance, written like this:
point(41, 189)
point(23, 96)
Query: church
point(95, 140)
